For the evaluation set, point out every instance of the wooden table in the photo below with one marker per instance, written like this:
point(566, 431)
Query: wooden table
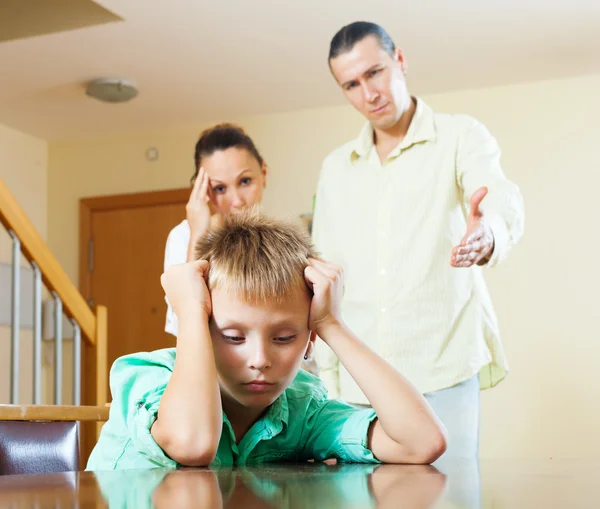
point(491, 484)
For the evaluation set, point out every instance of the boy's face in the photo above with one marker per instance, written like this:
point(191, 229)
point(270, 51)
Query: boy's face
point(259, 347)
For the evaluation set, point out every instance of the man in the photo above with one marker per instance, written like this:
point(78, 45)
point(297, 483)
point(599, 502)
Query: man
point(413, 209)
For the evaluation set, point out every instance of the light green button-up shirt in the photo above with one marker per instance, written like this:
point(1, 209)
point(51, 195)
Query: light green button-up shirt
point(301, 424)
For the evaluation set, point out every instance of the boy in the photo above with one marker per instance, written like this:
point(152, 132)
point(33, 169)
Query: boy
point(232, 392)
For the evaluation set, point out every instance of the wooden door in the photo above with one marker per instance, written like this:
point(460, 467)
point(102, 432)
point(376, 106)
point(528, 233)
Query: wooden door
point(121, 259)
point(129, 246)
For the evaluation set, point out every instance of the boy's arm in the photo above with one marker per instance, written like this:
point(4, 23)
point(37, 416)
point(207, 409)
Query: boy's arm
point(407, 430)
point(323, 228)
point(189, 422)
point(328, 368)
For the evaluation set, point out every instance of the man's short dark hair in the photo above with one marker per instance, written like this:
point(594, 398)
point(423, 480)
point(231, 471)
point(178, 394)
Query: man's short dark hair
point(349, 35)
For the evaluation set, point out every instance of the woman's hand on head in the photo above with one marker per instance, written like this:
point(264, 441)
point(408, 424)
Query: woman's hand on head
point(197, 209)
point(186, 288)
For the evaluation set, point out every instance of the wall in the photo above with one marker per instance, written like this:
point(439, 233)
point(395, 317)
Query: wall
point(545, 293)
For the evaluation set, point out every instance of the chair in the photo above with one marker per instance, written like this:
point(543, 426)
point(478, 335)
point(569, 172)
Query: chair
point(37, 439)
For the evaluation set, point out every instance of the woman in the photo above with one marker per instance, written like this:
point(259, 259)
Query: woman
point(230, 175)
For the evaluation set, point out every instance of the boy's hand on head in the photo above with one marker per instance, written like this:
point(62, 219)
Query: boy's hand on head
point(327, 282)
point(186, 288)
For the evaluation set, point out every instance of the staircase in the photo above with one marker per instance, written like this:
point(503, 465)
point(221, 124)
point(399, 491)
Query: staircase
point(89, 324)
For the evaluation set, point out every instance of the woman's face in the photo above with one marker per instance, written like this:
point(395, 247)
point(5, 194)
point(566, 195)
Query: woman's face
point(236, 179)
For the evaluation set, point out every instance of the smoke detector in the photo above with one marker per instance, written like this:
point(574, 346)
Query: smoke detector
point(112, 90)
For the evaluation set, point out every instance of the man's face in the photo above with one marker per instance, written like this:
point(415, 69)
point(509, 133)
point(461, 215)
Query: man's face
point(373, 81)
point(258, 347)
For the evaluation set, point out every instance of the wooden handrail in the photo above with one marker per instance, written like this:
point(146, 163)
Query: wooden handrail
point(53, 413)
point(13, 217)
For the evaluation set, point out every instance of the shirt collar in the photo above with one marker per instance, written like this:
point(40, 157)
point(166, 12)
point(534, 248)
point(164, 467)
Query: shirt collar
point(273, 420)
point(421, 129)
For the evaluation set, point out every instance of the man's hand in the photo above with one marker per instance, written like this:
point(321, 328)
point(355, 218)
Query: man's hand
point(477, 246)
point(186, 289)
point(326, 280)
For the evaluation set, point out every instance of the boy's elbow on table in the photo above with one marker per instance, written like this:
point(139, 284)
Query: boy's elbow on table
point(435, 446)
point(191, 455)
point(185, 449)
point(426, 450)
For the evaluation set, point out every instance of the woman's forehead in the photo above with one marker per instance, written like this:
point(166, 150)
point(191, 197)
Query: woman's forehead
point(230, 162)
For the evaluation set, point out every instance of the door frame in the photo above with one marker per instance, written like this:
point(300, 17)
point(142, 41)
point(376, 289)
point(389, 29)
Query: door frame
point(87, 207)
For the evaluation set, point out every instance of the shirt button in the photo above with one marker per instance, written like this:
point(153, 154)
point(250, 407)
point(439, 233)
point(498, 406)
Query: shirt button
point(383, 310)
point(382, 272)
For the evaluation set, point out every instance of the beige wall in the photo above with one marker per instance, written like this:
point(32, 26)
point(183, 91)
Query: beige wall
point(545, 293)
point(23, 167)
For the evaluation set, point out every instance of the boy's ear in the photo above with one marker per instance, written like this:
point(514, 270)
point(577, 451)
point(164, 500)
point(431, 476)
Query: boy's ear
point(311, 343)
point(264, 170)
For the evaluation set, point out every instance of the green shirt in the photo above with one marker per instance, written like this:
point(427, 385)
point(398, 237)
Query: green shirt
point(301, 424)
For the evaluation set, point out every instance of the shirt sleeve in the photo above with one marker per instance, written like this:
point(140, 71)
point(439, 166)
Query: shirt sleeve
point(175, 254)
point(326, 360)
point(335, 429)
point(137, 383)
point(478, 165)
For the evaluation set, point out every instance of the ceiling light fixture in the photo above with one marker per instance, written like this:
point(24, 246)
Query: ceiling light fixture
point(112, 90)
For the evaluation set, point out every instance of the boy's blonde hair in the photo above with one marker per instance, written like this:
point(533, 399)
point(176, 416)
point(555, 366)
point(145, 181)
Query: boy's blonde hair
point(255, 257)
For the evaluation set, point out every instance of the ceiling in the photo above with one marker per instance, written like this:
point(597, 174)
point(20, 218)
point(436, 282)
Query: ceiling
point(199, 60)
point(29, 18)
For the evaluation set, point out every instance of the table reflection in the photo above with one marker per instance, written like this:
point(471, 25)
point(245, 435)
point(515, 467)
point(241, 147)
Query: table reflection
point(278, 486)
